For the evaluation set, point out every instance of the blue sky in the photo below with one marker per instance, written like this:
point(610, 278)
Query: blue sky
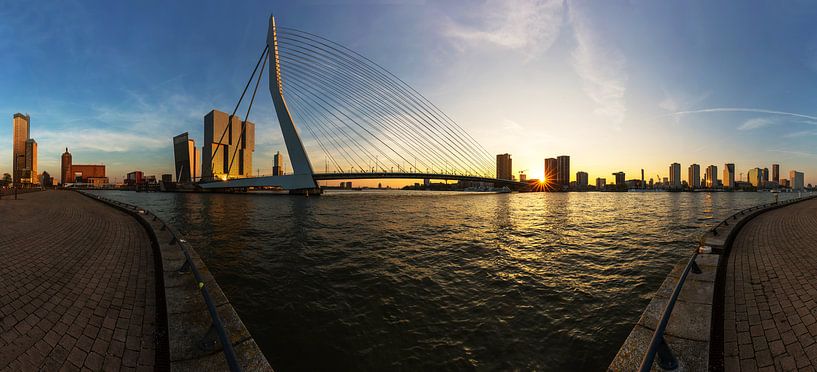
point(618, 85)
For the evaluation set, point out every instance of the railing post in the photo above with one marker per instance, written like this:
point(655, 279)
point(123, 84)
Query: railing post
point(666, 359)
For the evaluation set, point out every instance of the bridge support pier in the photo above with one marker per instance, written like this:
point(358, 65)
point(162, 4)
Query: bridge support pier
point(307, 192)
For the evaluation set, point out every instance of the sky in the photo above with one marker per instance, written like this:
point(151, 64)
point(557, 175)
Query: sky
point(617, 85)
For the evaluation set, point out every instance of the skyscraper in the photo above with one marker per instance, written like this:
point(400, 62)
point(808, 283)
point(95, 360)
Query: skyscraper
point(776, 173)
point(65, 170)
point(227, 152)
point(712, 177)
point(30, 171)
point(755, 177)
point(278, 164)
point(22, 132)
point(729, 176)
point(694, 176)
point(621, 184)
point(796, 179)
point(504, 167)
point(675, 176)
point(601, 184)
point(551, 169)
point(765, 177)
point(186, 155)
point(563, 171)
point(581, 181)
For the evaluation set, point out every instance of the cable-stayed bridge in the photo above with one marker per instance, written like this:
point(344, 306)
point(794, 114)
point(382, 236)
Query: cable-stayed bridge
point(365, 122)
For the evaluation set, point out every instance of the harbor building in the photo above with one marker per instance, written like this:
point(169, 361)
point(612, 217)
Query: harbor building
point(712, 177)
point(694, 176)
point(776, 173)
point(581, 181)
point(65, 168)
point(563, 171)
point(278, 164)
point(551, 167)
point(504, 167)
point(227, 150)
point(675, 176)
point(620, 181)
point(765, 178)
point(601, 184)
point(187, 159)
point(729, 176)
point(755, 177)
point(796, 179)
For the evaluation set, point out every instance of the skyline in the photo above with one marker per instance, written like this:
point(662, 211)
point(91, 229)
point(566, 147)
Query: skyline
point(516, 82)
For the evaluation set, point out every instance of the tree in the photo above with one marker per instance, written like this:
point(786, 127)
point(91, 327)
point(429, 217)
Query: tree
point(6, 179)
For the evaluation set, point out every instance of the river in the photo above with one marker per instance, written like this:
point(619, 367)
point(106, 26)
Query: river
point(412, 280)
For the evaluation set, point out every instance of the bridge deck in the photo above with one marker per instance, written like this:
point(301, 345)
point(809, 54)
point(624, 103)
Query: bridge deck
point(76, 286)
point(770, 307)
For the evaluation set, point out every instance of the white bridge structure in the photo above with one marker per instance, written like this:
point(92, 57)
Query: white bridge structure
point(367, 123)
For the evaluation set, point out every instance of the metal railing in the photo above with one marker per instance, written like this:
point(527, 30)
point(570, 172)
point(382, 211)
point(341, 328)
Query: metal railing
point(217, 326)
point(658, 344)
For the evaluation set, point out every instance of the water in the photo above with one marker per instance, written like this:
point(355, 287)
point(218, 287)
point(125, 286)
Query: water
point(395, 280)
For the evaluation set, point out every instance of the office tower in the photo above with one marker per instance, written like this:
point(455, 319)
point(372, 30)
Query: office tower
point(755, 177)
point(563, 171)
point(504, 167)
point(551, 169)
point(601, 184)
point(278, 164)
point(796, 179)
point(776, 173)
point(643, 184)
point(765, 177)
point(581, 181)
point(620, 182)
point(30, 171)
point(186, 155)
point(711, 177)
point(694, 176)
point(22, 132)
point(46, 180)
point(227, 152)
point(729, 176)
point(65, 169)
point(675, 176)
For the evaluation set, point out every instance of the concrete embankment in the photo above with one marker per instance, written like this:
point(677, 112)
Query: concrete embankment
point(192, 342)
point(695, 329)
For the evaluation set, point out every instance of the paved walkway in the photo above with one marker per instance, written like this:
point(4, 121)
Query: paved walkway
point(770, 309)
point(76, 286)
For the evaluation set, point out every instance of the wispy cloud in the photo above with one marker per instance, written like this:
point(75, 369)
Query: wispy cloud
point(528, 26)
point(743, 109)
point(755, 123)
point(802, 133)
point(675, 101)
point(795, 153)
point(601, 66)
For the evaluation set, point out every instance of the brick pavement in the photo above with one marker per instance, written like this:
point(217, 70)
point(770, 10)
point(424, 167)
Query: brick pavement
point(77, 287)
point(770, 307)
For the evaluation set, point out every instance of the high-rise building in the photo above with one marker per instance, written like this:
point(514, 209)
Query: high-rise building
point(675, 176)
point(694, 176)
point(643, 183)
point(581, 181)
point(227, 150)
point(186, 155)
point(22, 132)
point(601, 184)
point(728, 175)
point(30, 171)
point(504, 167)
point(563, 171)
point(620, 181)
point(278, 164)
point(711, 177)
point(551, 170)
point(776, 173)
point(65, 169)
point(797, 180)
point(755, 177)
point(765, 177)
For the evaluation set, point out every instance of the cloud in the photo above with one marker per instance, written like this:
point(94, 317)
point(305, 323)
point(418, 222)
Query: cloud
point(744, 109)
point(601, 66)
point(802, 133)
point(675, 101)
point(802, 154)
point(527, 26)
point(755, 123)
point(102, 140)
